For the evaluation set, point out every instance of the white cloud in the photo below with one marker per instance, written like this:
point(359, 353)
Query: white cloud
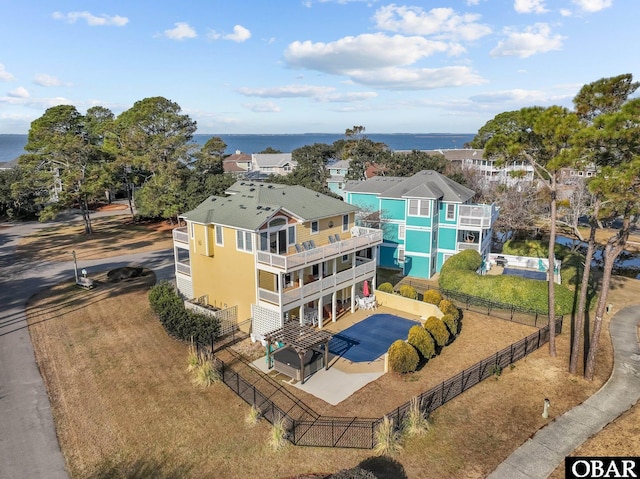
point(418, 78)
point(352, 97)
point(592, 6)
point(20, 92)
point(442, 23)
point(530, 6)
point(565, 12)
point(288, 91)
point(473, 2)
point(240, 34)
point(268, 107)
point(364, 52)
point(381, 61)
point(181, 31)
point(534, 39)
point(4, 74)
point(92, 20)
point(46, 80)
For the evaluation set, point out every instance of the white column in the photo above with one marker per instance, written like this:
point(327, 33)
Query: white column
point(333, 306)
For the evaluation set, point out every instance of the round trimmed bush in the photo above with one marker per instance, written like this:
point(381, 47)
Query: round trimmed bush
point(432, 296)
point(420, 339)
point(447, 307)
point(386, 288)
point(408, 291)
point(437, 329)
point(403, 358)
point(452, 323)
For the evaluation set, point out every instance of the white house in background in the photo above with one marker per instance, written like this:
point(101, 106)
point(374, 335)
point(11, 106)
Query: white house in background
point(337, 172)
point(272, 163)
point(491, 174)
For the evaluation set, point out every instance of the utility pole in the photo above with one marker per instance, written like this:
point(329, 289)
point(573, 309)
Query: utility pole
point(75, 264)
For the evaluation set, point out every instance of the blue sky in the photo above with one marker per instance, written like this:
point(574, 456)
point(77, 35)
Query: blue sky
point(311, 66)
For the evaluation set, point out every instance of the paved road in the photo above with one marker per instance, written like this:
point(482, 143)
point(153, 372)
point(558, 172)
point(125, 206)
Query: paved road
point(28, 443)
point(543, 453)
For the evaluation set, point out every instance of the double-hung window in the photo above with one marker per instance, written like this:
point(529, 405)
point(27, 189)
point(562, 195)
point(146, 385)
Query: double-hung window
point(419, 207)
point(219, 240)
point(244, 241)
point(401, 232)
point(345, 223)
point(451, 212)
point(315, 227)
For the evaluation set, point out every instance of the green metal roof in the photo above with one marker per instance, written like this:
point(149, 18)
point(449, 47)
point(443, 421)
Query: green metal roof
point(251, 203)
point(424, 184)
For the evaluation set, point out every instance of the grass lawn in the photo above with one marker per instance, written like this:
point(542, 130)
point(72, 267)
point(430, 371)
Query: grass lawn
point(113, 236)
point(124, 405)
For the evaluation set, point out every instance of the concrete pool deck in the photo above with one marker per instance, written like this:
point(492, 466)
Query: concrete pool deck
point(344, 377)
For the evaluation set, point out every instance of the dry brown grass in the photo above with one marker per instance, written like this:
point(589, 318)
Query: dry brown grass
point(112, 236)
point(124, 404)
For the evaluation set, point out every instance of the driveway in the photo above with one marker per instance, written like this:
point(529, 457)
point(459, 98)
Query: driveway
point(28, 443)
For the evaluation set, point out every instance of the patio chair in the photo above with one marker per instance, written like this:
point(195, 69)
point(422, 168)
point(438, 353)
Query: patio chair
point(312, 243)
point(299, 249)
point(336, 237)
point(331, 239)
point(361, 302)
point(306, 245)
point(371, 302)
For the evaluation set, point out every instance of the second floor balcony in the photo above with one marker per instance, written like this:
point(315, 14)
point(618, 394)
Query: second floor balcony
point(361, 238)
point(180, 235)
point(481, 216)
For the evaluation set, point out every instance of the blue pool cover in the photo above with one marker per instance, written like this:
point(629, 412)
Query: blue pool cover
point(526, 273)
point(369, 339)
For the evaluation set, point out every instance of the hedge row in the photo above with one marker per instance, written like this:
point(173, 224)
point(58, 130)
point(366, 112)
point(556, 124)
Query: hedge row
point(424, 342)
point(178, 321)
point(459, 274)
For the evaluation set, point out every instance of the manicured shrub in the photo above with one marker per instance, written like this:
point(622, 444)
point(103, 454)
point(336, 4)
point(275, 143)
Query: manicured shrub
point(403, 358)
point(420, 339)
point(432, 296)
point(438, 330)
point(452, 323)
point(176, 320)
point(386, 288)
point(447, 307)
point(408, 291)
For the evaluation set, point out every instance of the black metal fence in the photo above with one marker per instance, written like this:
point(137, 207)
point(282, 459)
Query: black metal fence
point(306, 428)
point(509, 312)
point(439, 395)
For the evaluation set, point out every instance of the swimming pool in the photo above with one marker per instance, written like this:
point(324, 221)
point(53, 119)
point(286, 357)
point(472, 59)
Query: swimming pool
point(526, 273)
point(370, 338)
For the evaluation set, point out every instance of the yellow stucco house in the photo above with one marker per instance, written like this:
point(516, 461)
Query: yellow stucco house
point(270, 252)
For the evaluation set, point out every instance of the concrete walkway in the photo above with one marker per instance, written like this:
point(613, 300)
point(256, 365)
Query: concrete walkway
point(544, 452)
point(28, 443)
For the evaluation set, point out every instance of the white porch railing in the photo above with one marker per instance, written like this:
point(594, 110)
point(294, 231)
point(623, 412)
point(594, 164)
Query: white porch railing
point(181, 235)
point(368, 237)
point(184, 268)
point(325, 285)
point(480, 216)
point(465, 245)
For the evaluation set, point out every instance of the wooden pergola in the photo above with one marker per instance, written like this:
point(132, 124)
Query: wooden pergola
point(300, 338)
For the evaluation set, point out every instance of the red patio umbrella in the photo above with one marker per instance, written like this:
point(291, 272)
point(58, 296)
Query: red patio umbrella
point(365, 288)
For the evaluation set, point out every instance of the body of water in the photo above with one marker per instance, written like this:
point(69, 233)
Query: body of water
point(12, 146)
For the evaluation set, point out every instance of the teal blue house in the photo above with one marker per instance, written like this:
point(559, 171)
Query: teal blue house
point(425, 218)
point(337, 172)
